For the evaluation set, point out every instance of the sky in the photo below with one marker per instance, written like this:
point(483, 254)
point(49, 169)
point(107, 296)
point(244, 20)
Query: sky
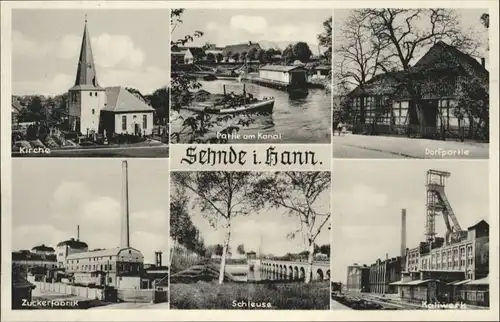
point(237, 26)
point(270, 225)
point(51, 197)
point(469, 20)
point(130, 47)
point(368, 196)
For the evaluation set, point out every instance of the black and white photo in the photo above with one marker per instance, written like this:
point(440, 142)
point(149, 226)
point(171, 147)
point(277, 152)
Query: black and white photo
point(251, 76)
point(250, 240)
point(418, 240)
point(89, 83)
point(88, 239)
point(411, 83)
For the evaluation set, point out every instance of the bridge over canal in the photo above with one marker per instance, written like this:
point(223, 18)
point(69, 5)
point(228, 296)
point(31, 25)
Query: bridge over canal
point(292, 270)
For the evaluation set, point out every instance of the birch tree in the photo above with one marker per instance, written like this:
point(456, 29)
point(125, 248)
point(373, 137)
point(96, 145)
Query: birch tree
point(220, 196)
point(298, 193)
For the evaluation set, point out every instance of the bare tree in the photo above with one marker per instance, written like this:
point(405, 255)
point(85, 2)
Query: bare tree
point(403, 33)
point(297, 192)
point(220, 196)
point(358, 56)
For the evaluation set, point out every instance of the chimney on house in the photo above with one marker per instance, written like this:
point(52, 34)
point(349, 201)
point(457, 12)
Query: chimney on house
point(483, 62)
point(403, 239)
point(125, 237)
point(249, 43)
point(158, 256)
point(78, 232)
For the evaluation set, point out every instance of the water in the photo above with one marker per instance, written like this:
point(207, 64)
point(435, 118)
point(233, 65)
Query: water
point(297, 120)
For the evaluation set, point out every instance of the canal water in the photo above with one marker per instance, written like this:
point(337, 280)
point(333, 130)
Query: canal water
point(294, 120)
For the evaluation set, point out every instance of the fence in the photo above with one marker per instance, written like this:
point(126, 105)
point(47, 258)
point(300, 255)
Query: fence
point(86, 292)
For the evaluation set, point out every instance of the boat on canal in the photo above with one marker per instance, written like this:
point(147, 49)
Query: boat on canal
point(235, 104)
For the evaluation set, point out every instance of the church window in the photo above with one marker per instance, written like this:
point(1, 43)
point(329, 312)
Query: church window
point(144, 121)
point(124, 122)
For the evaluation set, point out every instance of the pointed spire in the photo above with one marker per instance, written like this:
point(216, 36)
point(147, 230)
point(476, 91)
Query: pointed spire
point(85, 73)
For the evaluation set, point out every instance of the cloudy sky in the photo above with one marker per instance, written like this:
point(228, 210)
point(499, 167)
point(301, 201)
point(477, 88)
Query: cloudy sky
point(130, 47)
point(270, 225)
point(368, 197)
point(236, 26)
point(51, 197)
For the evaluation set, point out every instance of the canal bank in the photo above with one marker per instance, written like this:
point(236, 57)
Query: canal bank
point(295, 120)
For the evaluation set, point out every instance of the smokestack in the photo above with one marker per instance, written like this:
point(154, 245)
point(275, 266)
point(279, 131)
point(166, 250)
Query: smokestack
point(483, 61)
point(125, 237)
point(403, 238)
point(158, 258)
point(78, 232)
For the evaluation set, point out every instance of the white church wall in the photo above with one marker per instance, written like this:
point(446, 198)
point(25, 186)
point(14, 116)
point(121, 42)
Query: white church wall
point(131, 120)
point(92, 102)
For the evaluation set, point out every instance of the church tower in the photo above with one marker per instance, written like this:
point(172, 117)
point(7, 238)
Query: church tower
point(86, 98)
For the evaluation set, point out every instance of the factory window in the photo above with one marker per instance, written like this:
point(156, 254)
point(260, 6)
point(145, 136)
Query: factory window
point(101, 267)
point(90, 93)
point(93, 111)
point(109, 257)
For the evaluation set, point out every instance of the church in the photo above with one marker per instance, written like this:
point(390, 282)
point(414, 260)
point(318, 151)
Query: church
point(111, 110)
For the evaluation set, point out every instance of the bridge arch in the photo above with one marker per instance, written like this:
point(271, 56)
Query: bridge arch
point(290, 272)
point(319, 274)
point(296, 272)
point(302, 273)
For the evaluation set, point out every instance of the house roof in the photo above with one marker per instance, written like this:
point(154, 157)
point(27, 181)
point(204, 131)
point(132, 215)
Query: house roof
point(479, 224)
point(280, 68)
point(435, 73)
point(72, 243)
point(120, 100)
point(43, 248)
point(482, 281)
point(99, 253)
point(95, 253)
point(240, 48)
point(444, 55)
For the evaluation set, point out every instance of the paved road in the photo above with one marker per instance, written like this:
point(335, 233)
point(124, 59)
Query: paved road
point(353, 152)
point(365, 146)
point(126, 152)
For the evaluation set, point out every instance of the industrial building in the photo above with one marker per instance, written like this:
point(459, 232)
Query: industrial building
point(449, 269)
point(358, 278)
point(452, 269)
point(72, 262)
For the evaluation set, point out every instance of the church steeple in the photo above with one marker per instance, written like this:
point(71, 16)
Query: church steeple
point(86, 74)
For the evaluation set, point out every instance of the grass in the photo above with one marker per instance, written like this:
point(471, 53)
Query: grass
point(211, 295)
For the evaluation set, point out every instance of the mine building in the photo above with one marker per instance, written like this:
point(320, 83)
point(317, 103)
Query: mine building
point(450, 269)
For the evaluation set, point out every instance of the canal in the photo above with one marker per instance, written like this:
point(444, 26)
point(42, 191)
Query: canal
point(294, 120)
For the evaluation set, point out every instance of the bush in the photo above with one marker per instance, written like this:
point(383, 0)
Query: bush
point(203, 295)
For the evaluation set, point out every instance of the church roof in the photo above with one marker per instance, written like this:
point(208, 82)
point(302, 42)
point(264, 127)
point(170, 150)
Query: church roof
point(86, 77)
point(119, 100)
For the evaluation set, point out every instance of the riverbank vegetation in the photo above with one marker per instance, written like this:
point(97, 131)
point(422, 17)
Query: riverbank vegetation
point(211, 295)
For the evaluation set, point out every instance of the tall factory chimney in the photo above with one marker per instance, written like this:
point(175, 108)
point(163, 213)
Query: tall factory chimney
point(78, 232)
point(403, 238)
point(125, 237)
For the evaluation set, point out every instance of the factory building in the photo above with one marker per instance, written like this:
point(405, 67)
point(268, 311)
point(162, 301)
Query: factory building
point(358, 278)
point(383, 273)
point(450, 269)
